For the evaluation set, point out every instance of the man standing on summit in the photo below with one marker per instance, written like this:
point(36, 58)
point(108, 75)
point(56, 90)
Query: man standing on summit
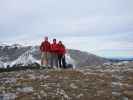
point(45, 50)
point(54, 54)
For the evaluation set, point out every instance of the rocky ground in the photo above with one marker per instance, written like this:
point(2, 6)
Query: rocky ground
point(106, 82)
point(121, 79)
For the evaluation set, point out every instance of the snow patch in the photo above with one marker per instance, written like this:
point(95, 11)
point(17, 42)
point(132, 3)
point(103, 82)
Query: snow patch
point(69, 60)
point(25, 59)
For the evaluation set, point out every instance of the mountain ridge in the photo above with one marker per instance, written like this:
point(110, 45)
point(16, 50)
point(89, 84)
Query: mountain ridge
point(11, 53)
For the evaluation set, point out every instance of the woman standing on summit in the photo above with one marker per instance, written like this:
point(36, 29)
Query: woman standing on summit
point(61, 55)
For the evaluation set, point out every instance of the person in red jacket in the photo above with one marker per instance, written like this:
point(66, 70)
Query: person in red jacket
point(54, 54)
point(45, 49)
point(61, 55)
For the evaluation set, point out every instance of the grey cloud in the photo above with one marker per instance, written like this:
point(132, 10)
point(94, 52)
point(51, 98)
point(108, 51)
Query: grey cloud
point(104, 20)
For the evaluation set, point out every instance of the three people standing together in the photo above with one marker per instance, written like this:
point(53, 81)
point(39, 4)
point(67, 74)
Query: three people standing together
point(53, 54)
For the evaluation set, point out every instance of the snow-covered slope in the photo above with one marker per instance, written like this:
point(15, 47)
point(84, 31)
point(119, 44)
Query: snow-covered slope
point(25, 59)
point(28, 59)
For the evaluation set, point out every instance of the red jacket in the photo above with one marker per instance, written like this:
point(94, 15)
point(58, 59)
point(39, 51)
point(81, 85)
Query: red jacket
point(54, 48)
point(45, 47)
point(61, 50)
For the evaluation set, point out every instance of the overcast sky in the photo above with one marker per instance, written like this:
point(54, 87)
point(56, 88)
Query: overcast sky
point(102, 27)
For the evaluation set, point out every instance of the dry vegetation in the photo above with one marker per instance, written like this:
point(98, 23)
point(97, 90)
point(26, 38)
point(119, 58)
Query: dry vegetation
point(55, 85)
point(106, 82)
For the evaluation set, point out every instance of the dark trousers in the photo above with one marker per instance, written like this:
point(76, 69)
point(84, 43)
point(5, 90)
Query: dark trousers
point(62, 61)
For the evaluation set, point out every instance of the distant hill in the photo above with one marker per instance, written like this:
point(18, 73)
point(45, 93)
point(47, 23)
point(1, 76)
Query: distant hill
point(120, 59)
point(86, 59)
